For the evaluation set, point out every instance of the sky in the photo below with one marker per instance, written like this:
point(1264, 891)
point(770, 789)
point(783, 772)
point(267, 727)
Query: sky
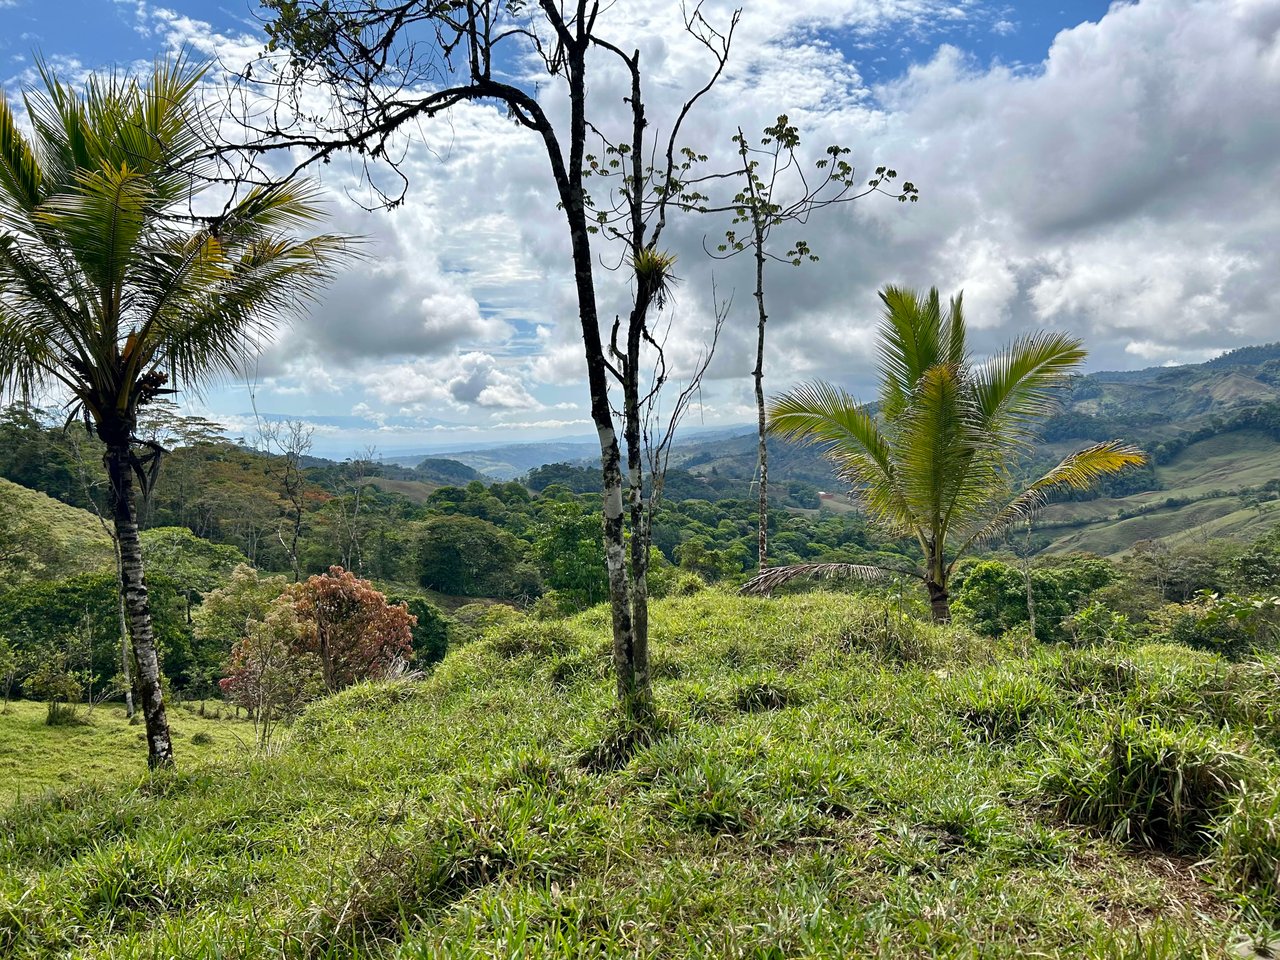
point(1112, 170)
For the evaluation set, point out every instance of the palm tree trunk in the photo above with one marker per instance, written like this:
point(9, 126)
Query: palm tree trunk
point(159, 741)
point(939, 602)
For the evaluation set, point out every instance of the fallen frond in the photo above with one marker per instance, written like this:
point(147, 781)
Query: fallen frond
point(769, 580)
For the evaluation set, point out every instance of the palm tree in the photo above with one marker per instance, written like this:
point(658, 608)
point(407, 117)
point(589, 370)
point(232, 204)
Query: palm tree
point(936, 460)
point(111, 288)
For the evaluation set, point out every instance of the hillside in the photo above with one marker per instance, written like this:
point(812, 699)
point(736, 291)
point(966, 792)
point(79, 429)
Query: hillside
point(831, 781)
point(1223, 486)
point(45, 537)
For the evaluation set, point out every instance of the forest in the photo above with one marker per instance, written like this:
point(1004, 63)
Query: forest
point(985, 662)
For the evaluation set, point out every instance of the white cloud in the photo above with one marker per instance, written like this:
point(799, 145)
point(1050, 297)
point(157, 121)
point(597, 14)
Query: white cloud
point(1125, 189)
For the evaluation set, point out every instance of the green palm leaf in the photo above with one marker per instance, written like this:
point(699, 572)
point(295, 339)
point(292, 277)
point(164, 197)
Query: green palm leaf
point(938, 463)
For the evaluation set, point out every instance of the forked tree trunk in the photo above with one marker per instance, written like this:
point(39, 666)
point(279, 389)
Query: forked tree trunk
point(630, 648)
point(124, 515)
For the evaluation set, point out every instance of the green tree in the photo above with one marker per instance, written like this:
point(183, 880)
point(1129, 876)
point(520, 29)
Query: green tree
point(570, 555)
point(194, 564)
point(934, 460)
point(109, 291)
point(469, 557)
point(223, 619)
point(8, 669)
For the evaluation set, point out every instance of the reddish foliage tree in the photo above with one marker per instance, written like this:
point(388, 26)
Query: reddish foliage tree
point(348, 624)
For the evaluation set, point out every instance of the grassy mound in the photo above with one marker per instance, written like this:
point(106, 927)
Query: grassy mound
point(826, 780)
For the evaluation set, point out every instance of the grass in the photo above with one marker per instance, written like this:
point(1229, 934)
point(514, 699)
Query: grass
point(81, 542)
point(824, 781)
point(102, 747)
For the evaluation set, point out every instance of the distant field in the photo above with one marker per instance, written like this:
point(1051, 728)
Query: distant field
point(416, 490)
point(35, 757)
point(1238, 460)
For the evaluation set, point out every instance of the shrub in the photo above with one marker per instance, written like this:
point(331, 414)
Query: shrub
point(270, 674)
point(1096, 625)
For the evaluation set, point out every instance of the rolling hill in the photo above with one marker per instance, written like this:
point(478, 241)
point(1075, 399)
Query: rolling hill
point(46, 537)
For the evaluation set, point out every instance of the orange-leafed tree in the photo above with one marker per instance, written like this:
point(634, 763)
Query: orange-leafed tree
point(347, 623)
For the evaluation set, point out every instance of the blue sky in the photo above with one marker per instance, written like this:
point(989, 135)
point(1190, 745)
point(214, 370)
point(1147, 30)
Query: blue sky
point(1108, 169)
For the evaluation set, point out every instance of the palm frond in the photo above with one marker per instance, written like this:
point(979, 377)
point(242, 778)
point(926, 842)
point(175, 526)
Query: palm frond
point(1077, 471)
point(769, 580)
point(909, 341)
point(1019, 386)
point(20, 176)
point(823, 415)
point(934, 446)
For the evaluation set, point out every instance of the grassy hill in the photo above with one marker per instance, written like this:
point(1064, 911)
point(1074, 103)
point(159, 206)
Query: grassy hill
point(1210, 489)
point(47, 537)
point(830, 780)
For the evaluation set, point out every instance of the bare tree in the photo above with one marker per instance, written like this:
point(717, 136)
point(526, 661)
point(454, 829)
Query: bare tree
point(774, 191)
point(287, 442)
point(387, 65)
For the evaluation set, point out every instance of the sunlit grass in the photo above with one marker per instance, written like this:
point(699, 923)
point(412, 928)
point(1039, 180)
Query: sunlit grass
point(825, 781)
point(102, 747)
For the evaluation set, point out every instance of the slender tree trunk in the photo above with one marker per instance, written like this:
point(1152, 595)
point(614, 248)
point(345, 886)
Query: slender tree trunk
point(159, 741)
point(762, 452)
point(639, 700)
point(632, 695)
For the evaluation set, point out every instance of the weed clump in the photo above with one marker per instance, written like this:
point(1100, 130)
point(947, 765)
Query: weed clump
point(542, 639)
point(762, 695)
point(1096, 671)
point(623, 736)
point(880, 630)
point(1248, 855)
point(1148, 784)
point(1005, 706)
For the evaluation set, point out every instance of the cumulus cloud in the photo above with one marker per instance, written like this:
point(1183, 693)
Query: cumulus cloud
point(1124, 189)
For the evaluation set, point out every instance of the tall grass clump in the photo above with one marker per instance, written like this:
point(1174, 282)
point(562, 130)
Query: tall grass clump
point(1148, 784)
point(880, 629)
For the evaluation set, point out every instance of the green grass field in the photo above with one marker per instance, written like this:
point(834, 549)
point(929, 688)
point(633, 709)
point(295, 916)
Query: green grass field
point(105, 749)
point(1241, 459)
point(828, 781)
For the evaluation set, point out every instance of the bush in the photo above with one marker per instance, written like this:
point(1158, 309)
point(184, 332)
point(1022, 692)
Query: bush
point(1097, 625)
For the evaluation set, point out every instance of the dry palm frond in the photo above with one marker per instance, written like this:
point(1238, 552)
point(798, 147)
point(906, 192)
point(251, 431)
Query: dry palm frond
point(769, 580)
